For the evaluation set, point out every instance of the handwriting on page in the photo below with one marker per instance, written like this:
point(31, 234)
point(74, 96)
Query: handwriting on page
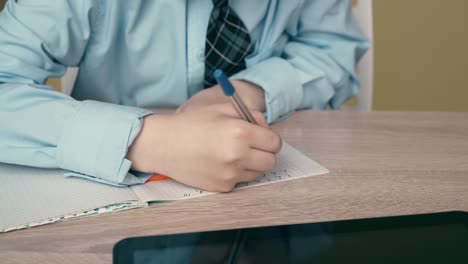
point(272, 176)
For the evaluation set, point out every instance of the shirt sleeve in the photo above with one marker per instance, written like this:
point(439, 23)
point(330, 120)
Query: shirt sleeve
point(44, 128)
point(316, 66)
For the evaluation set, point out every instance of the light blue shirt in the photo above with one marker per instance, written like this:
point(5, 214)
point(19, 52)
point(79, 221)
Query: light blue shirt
point(144, 54)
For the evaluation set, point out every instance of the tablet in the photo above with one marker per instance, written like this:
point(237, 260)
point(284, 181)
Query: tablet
point(428, 238)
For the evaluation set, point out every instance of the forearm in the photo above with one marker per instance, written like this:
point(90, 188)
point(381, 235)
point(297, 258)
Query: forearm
point(315, 67)
point(44, 128)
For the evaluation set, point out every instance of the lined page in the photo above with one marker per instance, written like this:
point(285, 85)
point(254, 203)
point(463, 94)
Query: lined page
point(31, 196)
point(291, 165)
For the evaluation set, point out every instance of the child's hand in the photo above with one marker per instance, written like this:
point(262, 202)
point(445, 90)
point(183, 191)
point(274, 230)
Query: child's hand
point(252, 95)
point(211, 148)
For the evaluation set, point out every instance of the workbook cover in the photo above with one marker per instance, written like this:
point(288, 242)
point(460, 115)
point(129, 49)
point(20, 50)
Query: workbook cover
point(31, 197)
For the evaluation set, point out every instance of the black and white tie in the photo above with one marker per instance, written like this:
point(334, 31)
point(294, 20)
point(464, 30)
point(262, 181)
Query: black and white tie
point(227, 42)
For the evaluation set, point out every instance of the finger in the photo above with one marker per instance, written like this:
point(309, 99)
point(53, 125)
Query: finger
point(258, 160)
point(264, 139)
point(250, 175)
point(261, 121)
point(181, 109)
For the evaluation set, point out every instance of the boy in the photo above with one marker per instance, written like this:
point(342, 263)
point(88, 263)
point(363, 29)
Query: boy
point(133, 55)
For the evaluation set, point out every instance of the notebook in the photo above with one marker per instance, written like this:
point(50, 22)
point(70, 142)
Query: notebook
point(31, 197)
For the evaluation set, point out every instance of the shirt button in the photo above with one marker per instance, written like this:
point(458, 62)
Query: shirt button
point(201, 56)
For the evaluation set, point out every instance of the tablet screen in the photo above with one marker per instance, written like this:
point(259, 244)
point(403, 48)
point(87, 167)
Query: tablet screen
point(432, 238)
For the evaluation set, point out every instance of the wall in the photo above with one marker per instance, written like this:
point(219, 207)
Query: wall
point(421, 57)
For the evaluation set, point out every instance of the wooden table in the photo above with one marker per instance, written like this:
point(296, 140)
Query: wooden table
point(381, 163)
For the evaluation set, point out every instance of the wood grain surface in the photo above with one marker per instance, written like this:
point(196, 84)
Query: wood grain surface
point(381, 164)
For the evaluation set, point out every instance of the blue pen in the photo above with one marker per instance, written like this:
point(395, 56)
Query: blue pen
point(229, 90)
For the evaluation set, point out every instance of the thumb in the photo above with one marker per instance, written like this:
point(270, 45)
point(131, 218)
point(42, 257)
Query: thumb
point(181, 108)
point(261, 121)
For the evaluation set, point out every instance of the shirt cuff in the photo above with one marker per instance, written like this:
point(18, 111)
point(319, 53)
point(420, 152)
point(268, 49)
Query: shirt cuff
point(281, 83)
point(95, 142)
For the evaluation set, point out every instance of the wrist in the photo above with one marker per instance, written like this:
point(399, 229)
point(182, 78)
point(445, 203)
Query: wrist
point(147, 150)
